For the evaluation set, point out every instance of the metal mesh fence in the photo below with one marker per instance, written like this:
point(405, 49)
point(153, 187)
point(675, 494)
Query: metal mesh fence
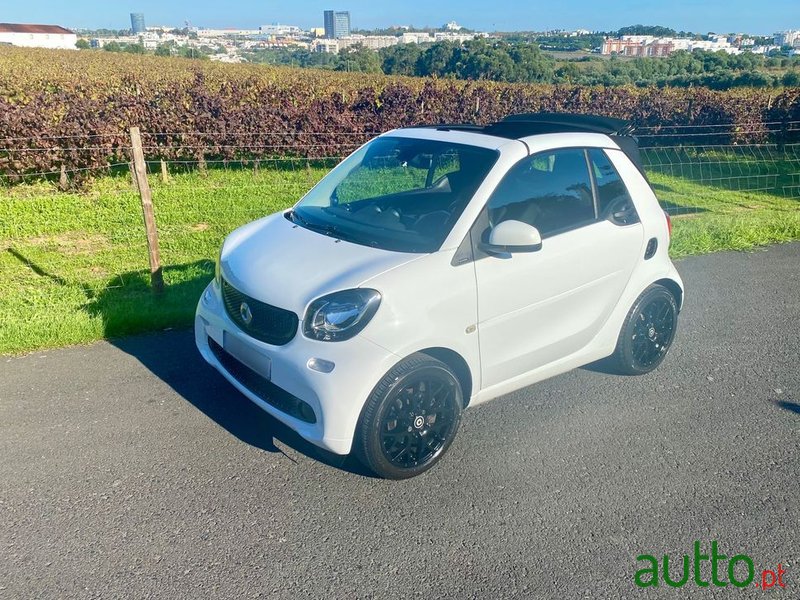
point(748, 170)
point(63, 224)
point(74, 256)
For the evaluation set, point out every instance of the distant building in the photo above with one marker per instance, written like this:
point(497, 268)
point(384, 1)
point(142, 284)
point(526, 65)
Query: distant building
point(638, 45)
point(740, 41)
point(649, 46)
point(37, 36)
point(137, 23)
point(417, 37)
point(458, 38)
point(453, 26)
point(788, 38)
point(325, 45)
point(337, 24)
point(276, 29)
point(372, 42)
point(227, 33)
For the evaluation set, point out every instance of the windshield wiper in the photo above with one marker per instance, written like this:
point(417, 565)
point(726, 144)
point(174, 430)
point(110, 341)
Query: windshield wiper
point(329, 230)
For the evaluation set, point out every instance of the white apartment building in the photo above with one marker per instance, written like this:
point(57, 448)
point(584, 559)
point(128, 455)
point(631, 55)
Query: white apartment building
point(37, 36)
point(325, 45)
point(217, 33)
point(276, 29)
point(459, 38)
point(788, 38)
point(713, 45)
point(373, 42)
point(646, 45)
point(417, 37)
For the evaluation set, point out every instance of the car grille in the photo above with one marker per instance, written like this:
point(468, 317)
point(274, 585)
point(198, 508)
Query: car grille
point(262, 387)
point(269, 324)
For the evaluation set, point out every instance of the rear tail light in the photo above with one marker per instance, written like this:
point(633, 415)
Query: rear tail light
point(669, 223)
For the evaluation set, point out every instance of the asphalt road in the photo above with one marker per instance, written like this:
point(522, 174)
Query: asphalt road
point(132, 470)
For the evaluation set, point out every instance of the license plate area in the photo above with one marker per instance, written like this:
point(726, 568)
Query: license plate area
point(247, 354)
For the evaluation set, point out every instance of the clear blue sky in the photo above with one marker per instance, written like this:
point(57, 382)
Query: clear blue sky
point(754, 16)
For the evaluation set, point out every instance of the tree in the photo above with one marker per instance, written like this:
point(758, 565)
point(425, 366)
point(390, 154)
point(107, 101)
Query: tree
point(477, 59)
point(134, 49)
point(164, 49)
point(83, 44)
point(436, 60)
point(400, 59)
point(191, 52)
point(531, 65)
point(359, 58)
point(568, 73)
point(654, 30)
point(791, 79)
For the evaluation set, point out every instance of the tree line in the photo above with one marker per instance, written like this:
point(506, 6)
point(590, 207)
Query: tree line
point(525, 62)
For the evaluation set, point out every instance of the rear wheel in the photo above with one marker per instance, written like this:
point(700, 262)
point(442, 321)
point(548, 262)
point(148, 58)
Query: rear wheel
point(647, 332)
point(410, 419)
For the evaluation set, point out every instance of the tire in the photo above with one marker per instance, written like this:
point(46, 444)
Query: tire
point(410, 419)
point(647, 333)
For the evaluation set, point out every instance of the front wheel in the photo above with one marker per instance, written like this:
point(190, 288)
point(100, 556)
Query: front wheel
point(647, 332)
point(410, 419)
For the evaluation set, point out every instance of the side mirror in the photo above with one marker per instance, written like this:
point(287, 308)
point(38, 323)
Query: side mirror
point(512, 236)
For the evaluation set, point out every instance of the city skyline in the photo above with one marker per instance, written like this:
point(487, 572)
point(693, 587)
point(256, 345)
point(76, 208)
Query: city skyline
point(714, 15)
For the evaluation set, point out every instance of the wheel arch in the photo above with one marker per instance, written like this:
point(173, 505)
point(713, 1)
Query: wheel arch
point(459, 366)
point(675, 289)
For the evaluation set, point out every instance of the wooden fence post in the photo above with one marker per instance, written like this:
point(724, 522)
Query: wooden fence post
point(146, 196)
point(201, 165)
point(164, 171)
point(134, 183)
point(63, 182)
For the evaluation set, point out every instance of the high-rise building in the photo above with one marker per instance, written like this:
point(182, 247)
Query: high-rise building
point(137, 22)
point(337, 24)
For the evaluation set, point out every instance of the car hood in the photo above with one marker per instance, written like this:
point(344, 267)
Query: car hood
point(280, 263)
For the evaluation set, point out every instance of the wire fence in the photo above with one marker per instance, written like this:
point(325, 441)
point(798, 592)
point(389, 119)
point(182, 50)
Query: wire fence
point(83, 226)
point(759, 168)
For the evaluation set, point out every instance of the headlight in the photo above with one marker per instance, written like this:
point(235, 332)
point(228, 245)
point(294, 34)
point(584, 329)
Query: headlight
point(341, 315)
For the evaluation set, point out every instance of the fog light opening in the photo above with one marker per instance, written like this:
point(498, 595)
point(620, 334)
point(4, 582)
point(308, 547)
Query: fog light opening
point(320, 365)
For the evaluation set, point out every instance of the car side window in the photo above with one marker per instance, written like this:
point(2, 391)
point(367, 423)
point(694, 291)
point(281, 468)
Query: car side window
point(551, 191)
point(612, 194)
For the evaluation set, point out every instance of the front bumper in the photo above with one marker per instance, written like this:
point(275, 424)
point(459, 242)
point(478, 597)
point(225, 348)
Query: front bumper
point(336, 398)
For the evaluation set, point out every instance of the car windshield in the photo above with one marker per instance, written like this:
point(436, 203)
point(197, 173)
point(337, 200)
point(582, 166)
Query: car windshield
point(396, 193)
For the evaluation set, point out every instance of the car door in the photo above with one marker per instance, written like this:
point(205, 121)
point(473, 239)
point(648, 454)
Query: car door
point(535, 308)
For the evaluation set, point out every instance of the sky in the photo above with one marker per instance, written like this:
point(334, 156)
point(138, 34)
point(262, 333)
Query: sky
point(700, 16)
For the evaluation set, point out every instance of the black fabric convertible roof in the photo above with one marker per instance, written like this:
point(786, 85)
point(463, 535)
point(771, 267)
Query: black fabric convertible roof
point(523, 125)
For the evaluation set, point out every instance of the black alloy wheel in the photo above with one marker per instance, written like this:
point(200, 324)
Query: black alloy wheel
point(410, 419)
point(647, 332)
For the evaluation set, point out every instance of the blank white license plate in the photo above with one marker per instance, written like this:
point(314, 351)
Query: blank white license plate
point(247, 354)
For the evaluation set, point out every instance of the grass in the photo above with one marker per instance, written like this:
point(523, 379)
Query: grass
point(710, 193)
point(708, 219)
point(74, 265)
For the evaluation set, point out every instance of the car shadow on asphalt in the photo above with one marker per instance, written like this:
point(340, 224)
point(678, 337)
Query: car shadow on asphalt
point(790, 406)
point(174, 359)
point(604, 366)
point(127, 306)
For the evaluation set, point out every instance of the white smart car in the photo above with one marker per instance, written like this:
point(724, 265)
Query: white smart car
point(437, 268)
